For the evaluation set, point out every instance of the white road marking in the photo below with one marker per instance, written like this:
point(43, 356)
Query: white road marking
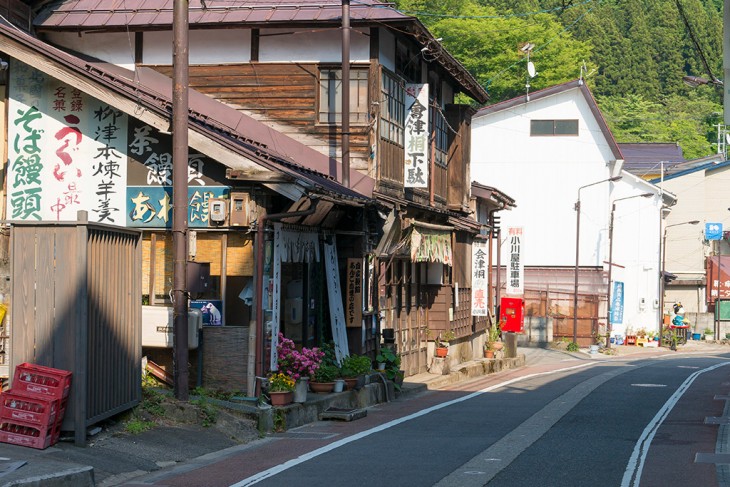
point(648, 385)
point(632, 474)
point(254, 479)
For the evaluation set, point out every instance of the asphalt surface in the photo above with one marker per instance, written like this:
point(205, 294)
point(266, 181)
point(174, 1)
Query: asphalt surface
point(198, 456)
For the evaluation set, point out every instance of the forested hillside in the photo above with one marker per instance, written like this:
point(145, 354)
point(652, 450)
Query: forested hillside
point(632, 53)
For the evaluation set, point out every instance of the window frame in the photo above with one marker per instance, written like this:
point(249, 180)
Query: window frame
point(360, 113)
point(555, 125)
point(392, 109)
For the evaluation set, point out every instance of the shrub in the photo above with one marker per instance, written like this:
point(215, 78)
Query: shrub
point(326, 373)
point(294, 363)
point(354, 365)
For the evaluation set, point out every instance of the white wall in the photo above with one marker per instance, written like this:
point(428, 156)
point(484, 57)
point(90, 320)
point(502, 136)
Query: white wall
point(114, 48)
point(701, 195)
point(543, 174)
point(636, 255)
point(206, 46)
point(307, 46)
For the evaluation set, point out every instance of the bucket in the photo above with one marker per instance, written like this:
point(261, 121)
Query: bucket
point(696, 336)
point(593, 349)
point(339, 385)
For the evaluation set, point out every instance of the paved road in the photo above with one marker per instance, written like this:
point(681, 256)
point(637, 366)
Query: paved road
point(561, 421)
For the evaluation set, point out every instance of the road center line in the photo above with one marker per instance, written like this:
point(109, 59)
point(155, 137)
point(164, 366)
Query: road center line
point(507, 449)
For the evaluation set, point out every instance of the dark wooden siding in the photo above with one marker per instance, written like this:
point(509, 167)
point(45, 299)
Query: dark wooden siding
point(281, 92)
point(459, 118)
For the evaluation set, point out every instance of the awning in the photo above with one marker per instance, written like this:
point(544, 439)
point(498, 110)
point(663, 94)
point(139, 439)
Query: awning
point(430, 243)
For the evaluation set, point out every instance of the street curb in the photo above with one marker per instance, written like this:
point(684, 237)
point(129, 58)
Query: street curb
point(74, 477)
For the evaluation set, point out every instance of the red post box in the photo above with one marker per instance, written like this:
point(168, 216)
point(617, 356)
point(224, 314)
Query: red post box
point(512, 314)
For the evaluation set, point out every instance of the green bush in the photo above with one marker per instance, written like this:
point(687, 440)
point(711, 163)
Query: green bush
point(326, 373)
point(354, 365)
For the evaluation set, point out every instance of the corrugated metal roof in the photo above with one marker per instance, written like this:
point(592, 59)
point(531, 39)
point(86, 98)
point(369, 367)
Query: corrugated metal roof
point(651, 152)
point(116, 13)
point(221, 124)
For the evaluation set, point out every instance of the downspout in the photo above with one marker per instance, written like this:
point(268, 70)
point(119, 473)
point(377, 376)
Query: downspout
point(259, 283)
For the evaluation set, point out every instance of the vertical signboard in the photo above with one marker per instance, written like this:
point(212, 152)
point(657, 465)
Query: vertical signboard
point(479, 278)
point(415, 174)
point(515, 267)
point(353, 311)
point(66, 151)
point(334, 296)
point(617, 303)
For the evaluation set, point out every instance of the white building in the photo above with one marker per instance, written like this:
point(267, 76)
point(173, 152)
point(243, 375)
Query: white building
point(549, 151)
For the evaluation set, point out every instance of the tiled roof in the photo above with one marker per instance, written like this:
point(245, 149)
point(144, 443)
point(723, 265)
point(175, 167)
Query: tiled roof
point(114, 13)
point(651, 152)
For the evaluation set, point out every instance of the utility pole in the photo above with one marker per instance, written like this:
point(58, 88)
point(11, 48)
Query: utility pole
point(180, 197)
point(346, 93)
point(726, 62)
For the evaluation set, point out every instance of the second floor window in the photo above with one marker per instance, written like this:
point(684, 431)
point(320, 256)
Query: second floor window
point(330, 96)
point(543, 128)
point(392, 109)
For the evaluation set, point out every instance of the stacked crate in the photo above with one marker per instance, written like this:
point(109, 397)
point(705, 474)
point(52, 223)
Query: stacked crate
point(31, 412)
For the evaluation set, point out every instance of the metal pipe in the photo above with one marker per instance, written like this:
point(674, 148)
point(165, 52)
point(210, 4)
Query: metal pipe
point(180, 197)
point(610, 263)
point(259, 283)
point(577, 253)
point(346, 93)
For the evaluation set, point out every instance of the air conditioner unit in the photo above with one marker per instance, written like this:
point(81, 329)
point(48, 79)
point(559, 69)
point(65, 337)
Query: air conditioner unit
point(157, 324)
point(217, 210)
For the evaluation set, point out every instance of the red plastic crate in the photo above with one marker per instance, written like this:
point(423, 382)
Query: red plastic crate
point(30, 409)
point(41, 381)
point(24, 434)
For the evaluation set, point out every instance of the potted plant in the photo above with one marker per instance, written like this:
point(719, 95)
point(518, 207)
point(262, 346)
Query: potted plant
point(494, 343)
point(324, 378)
point(709, 334)
point(354, 368)
point(442, 343)
point(392, 365)
point(281, 389)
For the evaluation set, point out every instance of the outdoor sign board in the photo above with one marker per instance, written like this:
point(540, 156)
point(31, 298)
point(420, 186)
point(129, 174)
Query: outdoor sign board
point(515, 266)
point(68, 151)
point(617, 303)
point(353, 299)
point(713, 231)
point(415, 174)
point(479, 277)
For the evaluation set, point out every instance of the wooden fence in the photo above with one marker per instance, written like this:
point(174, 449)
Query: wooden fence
point(76, 305)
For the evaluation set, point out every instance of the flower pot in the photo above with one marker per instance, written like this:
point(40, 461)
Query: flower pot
point(300, 390)
point(339, 385)
point(356, 383)
point(442, 352)
point(496, 346)
point(320, 387)
point(696, 336)
point(281, 398)
point(488, 353)
point(593, 349)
